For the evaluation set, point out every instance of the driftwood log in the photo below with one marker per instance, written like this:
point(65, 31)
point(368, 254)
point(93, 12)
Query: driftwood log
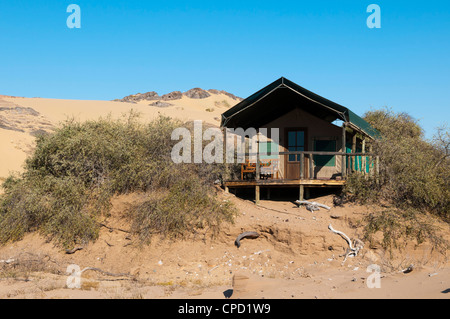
point(247, 234)
point(408, 270)
point(312, 206)
point(353, 248)
point(71, 251)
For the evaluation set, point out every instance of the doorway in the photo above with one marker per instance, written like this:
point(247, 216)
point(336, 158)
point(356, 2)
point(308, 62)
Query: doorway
point(296, 140)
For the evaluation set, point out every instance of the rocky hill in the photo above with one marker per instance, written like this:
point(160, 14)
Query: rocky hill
point(195, 93)
point(22, 119)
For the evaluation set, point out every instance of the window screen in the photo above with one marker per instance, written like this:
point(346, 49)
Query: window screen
point(296, 142)
point(325, 146)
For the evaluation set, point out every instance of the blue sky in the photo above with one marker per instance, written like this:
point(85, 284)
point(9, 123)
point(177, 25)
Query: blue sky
point(125, 47)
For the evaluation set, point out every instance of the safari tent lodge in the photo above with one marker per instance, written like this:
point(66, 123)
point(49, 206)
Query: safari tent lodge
point(319, 143)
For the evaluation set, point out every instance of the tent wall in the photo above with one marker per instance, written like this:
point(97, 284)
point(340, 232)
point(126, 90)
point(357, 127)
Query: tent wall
point(317, 129)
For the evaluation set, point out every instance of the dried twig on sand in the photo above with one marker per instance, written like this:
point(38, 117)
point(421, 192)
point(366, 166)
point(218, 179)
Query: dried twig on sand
point(114, 228)
point(7, 261)
point(71, 251)
point(106, 272)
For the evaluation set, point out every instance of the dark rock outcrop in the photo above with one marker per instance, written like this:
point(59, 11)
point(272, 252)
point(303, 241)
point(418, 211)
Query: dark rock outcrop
point(234, 97)
point(175, 95)
point(197, 93)
point(149, 96)
point(160, 104)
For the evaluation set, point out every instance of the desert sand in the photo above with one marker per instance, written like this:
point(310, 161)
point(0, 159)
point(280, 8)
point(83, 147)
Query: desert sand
point(296, 256)
point(18, 125)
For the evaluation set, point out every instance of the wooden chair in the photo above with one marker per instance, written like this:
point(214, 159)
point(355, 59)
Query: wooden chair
point(247, 167)
point(268, 168)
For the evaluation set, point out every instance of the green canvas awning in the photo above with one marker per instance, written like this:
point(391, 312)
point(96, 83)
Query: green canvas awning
point(282, 96)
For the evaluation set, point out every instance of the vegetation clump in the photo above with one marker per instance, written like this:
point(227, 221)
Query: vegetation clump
point(73, 173)
point(413, 179)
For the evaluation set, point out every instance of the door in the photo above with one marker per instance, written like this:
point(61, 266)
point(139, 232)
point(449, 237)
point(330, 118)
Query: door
point(295, 139)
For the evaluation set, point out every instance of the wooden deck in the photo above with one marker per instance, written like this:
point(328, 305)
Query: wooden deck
point(302, 184)
point(284, 182)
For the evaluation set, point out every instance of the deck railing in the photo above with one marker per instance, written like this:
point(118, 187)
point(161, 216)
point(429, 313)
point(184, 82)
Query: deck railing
point(365, 163)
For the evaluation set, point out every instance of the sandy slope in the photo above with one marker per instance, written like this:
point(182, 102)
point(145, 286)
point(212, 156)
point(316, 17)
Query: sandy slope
point(184, 108)
point(17, 141)
point(296, 256)
point(15, 147)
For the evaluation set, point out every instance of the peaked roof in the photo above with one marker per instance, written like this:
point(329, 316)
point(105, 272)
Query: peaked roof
point(282, 96)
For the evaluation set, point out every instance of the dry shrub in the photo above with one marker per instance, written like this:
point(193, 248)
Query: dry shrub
point(413, 172)
point(414, 178)
point(74, 172)
point(186, 208)
point(399, 227)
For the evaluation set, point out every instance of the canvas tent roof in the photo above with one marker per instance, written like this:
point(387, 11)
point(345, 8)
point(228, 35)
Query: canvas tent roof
point(282, 96)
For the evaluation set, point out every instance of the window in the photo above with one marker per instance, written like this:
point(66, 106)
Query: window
point(296, 143)
point(268, 150)
point(325, 146)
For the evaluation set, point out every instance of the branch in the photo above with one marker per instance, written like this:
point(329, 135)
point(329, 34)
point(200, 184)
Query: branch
point(112, 228)
point(106, 273)
point(311, 206)
point(71, 251)
point(352, 251)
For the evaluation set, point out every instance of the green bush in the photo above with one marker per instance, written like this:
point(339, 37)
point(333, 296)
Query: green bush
point(399, 227)
point(126, 155)
point(189, 206)
point(57, 207)
point(413, 172)
point(413, 180)
point(72, 175)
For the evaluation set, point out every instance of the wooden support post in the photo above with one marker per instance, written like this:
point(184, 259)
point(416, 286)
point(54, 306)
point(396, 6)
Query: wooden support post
point(268, 193)
point(302, 193)
point(363, 158)
point(371, 163)
point(257, 169)
point(344, 168)
point(257, 195)
point(302, 165)
point(349, 165)
point(377, 169)
point(311, 168)
point(354, 151)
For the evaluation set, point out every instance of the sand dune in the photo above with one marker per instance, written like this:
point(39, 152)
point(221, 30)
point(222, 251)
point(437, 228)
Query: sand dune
point(23, 118)
point(296, 255)
point(292, 259)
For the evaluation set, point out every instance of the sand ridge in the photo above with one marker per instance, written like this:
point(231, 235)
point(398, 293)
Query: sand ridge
point(295, 256)
point(22, 119)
